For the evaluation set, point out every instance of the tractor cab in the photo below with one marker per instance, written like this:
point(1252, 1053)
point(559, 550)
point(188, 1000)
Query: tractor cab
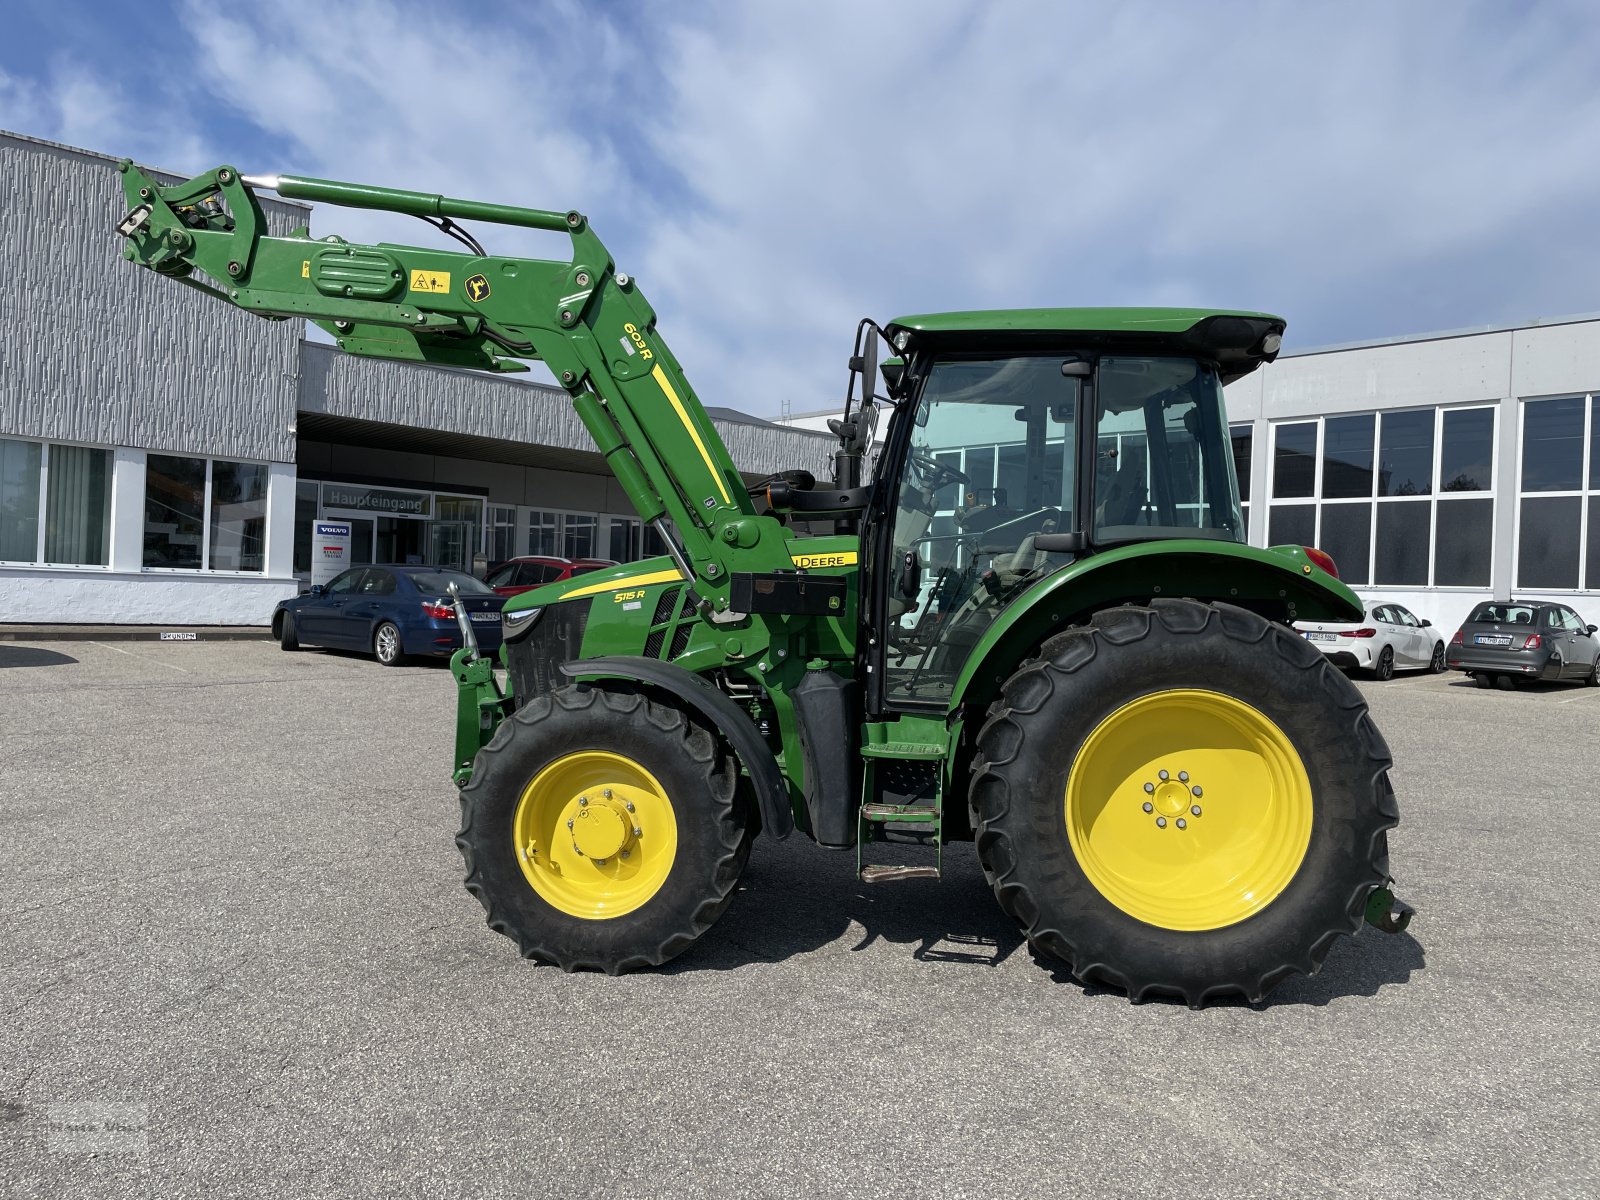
point(1027, 440)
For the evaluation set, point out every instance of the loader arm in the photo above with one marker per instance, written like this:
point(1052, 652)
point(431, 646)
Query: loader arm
point(588, 322)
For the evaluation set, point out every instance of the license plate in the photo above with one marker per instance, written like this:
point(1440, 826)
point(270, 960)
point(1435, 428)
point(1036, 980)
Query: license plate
point(1491, 639)
point(485, 616)
point(1323, 637)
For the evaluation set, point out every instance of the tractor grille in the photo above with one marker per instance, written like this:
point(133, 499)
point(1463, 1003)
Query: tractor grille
point(557, 637)
point(660, 622)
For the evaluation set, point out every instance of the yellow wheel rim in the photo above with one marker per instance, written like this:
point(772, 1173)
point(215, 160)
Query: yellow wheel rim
point(595, 834)
point(1189, 810)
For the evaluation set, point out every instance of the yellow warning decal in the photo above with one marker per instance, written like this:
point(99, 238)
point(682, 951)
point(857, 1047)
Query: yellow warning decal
point(430, 281)
point(835, 558)
point(305, 269)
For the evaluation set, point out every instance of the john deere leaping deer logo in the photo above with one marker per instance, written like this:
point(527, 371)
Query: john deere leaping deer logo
point(477, 289)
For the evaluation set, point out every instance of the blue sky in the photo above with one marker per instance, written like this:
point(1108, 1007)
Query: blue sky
point(772, 172)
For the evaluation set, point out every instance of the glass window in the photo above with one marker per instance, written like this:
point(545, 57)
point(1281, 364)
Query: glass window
point(1594, 543)
point(1466, 461)
point(238, 516)
point(1294, 460)
point(1292, 525)
point(78, 506)
point(305, 512)
point(467, 510)
point(578, 536)
point(1463, 541)
point(1405, 459)
point(377, 583)
point(1347, 456)
point(1552, 445)
point(501, 577)
point(174, 512)
point(544, 532)
point(502, 532)
point(1347, 536)
point(1243, 442)
point(1402, 545)
point(19, 500)
point(1547, 549)
point(1594, 444)
point(347, 582)
point(431, 583)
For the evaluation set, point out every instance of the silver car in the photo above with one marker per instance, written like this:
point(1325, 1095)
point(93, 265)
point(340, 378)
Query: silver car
point(1506, 640)
point(1392, 638)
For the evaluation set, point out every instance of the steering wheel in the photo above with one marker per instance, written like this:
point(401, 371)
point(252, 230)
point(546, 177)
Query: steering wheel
point(935, 474)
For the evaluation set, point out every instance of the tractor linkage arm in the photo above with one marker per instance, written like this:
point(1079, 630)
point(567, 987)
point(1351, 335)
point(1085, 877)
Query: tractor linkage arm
point(465, 308)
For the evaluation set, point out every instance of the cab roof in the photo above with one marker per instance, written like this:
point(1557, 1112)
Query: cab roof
point(1236, 339)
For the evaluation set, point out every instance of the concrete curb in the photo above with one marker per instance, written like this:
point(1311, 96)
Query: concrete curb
point(134, 633)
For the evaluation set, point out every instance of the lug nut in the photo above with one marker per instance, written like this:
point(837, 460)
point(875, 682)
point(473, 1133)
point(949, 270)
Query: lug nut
point(1182, 824)
point(582, 800)
point(1149, 787)
point(1183, 777)
point(1194, 809)
point(637, 832)
point(1161, 822)
point(625, 853)
point(606, 793)
point(1163, 775)
point(628, 804)
point(1148, 807)
point(1196, 790)
point(569, 824)
point(599, 862)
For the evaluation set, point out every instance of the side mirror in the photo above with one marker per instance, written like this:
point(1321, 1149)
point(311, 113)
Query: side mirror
point(1426, 624)
point(1594, 629)
point(316, 590)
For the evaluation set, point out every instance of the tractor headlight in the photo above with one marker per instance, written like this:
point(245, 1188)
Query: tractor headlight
point(1270, 343)
point(518, 624)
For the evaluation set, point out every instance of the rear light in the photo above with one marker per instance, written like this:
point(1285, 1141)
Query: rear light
point(1458, 639)
point(1323, 559)
point(438, 611)
point(1358, 633)
point(1532, 642)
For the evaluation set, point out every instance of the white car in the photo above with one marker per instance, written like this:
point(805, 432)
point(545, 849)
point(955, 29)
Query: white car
point(1391, 639)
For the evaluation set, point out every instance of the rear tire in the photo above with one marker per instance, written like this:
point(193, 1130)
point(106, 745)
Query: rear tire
point(287, 638)
point(1483, 680)
point(1383, 669)
point(1436, 664)
point(387, 647)
point(577, 910)
point(1283, 755)
point(1594, 674)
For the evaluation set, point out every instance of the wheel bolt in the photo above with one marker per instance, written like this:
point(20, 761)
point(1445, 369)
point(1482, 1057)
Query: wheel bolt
point(1148, 807)
point(1161, 822)
point(1182, 824)
point(628, 804)
point(1149, 787)
point(569, 824)
point(1163, 775)
point(599, 862)
point(583, 800)
point(1196, 790)
point(637, 832)
point(606, 793)
point(1195, 809)
point(1183, 777)
point(625, 853)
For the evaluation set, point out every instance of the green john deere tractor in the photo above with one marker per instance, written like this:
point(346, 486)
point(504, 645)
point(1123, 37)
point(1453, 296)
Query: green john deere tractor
point(1034, 622)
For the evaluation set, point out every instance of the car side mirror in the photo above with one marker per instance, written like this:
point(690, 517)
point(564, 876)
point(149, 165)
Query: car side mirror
point(1427, 624)
point(1594, 629)
point(316, 590)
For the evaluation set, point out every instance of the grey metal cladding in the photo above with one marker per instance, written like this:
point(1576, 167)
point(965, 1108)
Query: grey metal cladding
point(454, 401)
point(95, 349)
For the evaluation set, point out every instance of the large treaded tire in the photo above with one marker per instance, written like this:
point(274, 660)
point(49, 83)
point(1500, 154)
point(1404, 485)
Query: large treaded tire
point(712, 813)
point(1048, 709)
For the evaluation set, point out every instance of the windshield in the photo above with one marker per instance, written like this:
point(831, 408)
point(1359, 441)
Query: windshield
point(439, 582)
point(1503, 614)
point(1162, 461)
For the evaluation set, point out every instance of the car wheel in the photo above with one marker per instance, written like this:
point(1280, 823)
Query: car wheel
point(386, 645)
point(1483, 680)
point(1436, 667)
point(287, 638)
point(1594, 673)
point(1505, 683)
point(1384, 668)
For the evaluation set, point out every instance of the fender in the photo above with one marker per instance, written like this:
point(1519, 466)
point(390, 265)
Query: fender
point(772, 793)
point(1283, 578)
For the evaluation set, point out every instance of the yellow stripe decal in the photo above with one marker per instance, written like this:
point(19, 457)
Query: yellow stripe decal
point(660, 377)
point(616, 585)
point(836, 558)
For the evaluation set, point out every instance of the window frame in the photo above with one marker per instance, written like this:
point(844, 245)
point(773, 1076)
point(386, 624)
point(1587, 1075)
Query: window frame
point(41, 534)
point(205, 519)
point(1588, 575)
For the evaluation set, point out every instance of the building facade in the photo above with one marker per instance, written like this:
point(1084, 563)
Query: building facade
point(162, 455)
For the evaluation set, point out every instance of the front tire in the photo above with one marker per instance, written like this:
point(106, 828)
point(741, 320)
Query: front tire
point(603, 831)
point(387, 647)
point(1093, 762)
point(288, 639)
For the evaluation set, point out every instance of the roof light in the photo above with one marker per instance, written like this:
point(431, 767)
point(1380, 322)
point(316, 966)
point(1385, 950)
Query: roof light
point(1270, 343)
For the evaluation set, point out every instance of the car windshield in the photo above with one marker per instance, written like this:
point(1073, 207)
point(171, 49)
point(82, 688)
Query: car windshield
point(585, 568)
point(1504, 614)
point(440, 581)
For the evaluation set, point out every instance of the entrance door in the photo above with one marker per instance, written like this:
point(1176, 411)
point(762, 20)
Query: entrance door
point(400, 540)
point(449, 545)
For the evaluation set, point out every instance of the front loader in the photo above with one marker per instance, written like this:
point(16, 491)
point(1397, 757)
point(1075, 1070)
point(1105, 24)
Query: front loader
point(1032, 620)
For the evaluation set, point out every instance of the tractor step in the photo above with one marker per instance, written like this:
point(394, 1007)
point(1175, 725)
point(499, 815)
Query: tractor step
point(918, 750)
point(872, 874)
point(900, 814)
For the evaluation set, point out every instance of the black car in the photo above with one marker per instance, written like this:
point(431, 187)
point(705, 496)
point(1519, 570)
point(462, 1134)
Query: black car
point(390, 611)
point(1506, 640)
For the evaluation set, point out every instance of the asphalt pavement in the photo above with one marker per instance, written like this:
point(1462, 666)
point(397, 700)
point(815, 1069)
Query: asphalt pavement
point(237, 960)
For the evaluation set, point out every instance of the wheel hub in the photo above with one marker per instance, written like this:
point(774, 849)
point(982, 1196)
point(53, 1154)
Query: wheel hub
point(600, 831)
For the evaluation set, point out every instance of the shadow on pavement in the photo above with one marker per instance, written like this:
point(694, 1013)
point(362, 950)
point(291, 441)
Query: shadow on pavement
point(32, 656)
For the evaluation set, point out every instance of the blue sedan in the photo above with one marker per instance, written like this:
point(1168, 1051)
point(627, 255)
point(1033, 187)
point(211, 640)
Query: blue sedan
point(389, 612)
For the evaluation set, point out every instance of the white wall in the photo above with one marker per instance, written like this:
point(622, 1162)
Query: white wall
point(85, 596)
